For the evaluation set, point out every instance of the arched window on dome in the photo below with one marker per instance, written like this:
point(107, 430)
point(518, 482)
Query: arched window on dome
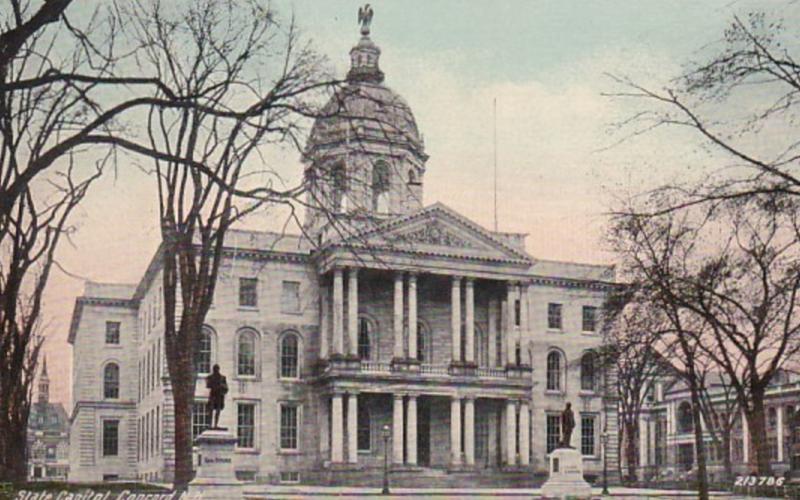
point(381, 182)
point(412, 177)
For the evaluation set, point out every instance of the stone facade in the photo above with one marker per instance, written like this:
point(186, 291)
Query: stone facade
point(393, 328)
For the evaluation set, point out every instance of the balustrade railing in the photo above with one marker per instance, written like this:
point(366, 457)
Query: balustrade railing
point(375, 367)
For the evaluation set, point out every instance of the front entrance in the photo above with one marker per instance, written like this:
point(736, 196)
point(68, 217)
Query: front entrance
point(423, 432)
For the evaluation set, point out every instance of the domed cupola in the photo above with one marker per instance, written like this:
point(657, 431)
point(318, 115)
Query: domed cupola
point(365, 158)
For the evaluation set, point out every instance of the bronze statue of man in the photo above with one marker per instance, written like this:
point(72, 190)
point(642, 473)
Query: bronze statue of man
point(567, 425)
point(218, 387)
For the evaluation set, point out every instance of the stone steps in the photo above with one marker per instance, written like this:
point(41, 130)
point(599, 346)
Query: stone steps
point(426, 477)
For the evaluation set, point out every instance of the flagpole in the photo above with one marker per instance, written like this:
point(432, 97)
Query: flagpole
point(495, 163)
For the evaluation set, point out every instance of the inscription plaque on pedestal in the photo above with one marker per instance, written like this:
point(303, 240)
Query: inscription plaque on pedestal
point(566, 476)
point(216, 476)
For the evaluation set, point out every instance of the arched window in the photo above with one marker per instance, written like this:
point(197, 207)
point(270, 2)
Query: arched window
point(203, 351)
point(412, 177)
point(111, 381)
point(772, 417)
point(364, 345)
point(685, 418)
point(364, 430)
point(554, 371)
point(588, 372)
point(290, 355)
point(246, 353)
point(381, 182)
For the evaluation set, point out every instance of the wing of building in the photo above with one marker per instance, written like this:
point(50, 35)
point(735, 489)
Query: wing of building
point(391, 316)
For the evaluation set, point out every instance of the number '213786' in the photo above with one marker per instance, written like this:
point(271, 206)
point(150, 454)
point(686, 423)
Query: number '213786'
point(758, 481)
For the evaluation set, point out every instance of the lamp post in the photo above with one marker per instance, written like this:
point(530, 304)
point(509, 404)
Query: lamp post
point(386, 433)
point(605, 463)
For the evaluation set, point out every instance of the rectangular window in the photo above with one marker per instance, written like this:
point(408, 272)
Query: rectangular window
point(553, 432)
point(200, 418)
point(290, 477)
point(554, 316)
point(248, 292)
point(246, 425)
point(589, 318)
point(110, 438)
point(587, 435)
point(772, 443)
point(517, 312)
point(290, 297)
point(289, 422)
point(112, 332)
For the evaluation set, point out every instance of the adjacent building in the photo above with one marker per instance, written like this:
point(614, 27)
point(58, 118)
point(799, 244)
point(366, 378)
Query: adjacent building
point(386, 315)
point(48, 436)
point(667, 443)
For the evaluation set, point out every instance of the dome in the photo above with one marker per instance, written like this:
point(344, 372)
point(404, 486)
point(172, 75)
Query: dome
point(365, 110)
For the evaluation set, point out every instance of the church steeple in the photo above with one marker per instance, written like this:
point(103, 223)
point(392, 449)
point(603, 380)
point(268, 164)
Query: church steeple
point(44, 384)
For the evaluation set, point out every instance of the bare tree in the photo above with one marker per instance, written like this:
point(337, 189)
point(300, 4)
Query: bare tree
point(720, 409)
point(732, 274)
point(652, 250)
point(631, 334)
point(741, 105)
point(250, 80)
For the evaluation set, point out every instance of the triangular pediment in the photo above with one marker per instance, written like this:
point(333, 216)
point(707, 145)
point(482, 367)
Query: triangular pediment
point(440, 231)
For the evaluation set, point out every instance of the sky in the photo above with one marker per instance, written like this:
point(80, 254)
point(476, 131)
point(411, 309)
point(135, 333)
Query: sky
point(546, 63)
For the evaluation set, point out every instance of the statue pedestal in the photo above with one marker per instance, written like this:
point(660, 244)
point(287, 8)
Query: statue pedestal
point(215, 477)
point(566, 476)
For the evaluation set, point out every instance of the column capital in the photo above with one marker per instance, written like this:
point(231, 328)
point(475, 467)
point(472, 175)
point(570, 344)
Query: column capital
point(456, 280)
point(412, 278)
point(470, 281)
point(399, 395)
point(353, 392)
point(353, 271)
point(413, 395)
point(470, 398)
point(338, 392)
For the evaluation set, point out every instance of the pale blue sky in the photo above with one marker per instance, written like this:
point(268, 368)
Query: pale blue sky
point(544, 62)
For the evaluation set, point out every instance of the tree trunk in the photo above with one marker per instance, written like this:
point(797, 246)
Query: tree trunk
point(183, 397)
point(702, 473)
point(756, 424)
point(726, 455)
point(631, 450)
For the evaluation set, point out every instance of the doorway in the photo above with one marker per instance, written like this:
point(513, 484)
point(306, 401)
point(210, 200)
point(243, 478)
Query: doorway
point(424, 432)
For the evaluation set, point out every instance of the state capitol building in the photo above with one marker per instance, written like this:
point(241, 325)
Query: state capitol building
point(417, 323)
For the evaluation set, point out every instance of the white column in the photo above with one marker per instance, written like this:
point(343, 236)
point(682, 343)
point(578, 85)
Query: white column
point(524, 328)
point(411, 430)
point(455, 430)
point(469, 431)
point(338, 312)
point(412, 316)
point(455, 318)
point(352, 311)
point(642, 442)
point(397, 430)
point(469, 331)
point(512, 331)
point(505, 328)
point(337, 431)
point(352, 428)
point(503, 433)
point(492, 332)
point(511, 432)
point(524, 433)
point(324, 322)
point(398, 315)
point(745, 440)
point(779, 410)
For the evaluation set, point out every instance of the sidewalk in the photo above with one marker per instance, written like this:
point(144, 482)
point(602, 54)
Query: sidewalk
point(293, 492)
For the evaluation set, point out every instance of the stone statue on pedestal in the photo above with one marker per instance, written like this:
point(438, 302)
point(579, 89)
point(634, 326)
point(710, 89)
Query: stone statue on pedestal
point(218, 388)
point(567, 426)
